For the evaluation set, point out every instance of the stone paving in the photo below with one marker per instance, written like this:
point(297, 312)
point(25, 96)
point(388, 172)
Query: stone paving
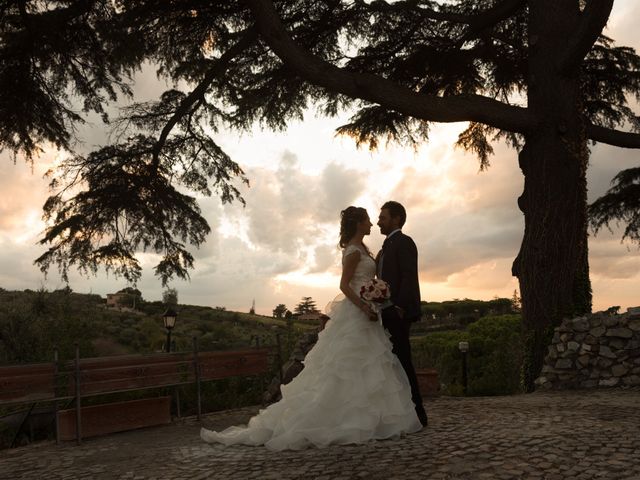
point(545, 435)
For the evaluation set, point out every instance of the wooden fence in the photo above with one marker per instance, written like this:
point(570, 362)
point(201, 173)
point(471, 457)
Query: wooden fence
point(83, 377)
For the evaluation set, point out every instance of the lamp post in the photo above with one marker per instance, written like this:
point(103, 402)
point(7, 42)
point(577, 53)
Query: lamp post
point(464, 348)
point(169, 318)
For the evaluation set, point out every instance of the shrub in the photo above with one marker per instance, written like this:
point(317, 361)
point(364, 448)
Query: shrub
point(494, 359)
point(495, 355)
point(129, 336)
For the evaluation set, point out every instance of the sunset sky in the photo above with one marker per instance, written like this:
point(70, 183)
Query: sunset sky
point(283, 244)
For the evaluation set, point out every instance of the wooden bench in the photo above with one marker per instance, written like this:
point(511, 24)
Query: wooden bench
point(27, 383)
point(24, 384)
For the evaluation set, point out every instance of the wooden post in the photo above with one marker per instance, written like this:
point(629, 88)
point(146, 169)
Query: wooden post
point(464, 372)
point(261, 376)
point(196, 365)
point(176, 390)
point(78, 399)
point(55, 394)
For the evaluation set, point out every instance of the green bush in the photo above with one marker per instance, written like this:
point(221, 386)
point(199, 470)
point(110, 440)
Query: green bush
point(495, 355)
point(129, 336)
point(32, 324)
point(494, 358)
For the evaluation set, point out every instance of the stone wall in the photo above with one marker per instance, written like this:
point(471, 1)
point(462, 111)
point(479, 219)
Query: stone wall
point(291, 368)
point(598, 350)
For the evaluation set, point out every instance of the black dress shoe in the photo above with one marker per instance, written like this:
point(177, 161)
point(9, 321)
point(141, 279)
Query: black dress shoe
point(422, 416)
point(424, 420)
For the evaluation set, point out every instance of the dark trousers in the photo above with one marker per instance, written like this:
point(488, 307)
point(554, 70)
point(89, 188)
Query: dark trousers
point(399, 330)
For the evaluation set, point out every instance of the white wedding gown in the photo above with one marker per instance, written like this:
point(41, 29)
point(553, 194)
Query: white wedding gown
point(352, 388)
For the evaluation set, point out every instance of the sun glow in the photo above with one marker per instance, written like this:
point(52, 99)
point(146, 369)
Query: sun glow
point(236, 227)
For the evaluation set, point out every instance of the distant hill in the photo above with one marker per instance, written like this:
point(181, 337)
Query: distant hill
point(33, 323)
point(457, 314)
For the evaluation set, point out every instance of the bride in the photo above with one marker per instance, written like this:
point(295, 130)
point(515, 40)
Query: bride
point(353, 388)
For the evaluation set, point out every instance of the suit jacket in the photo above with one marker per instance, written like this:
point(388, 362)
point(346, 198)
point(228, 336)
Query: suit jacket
point(400, 271)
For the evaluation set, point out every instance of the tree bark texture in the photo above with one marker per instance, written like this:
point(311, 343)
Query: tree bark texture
point(552, 266)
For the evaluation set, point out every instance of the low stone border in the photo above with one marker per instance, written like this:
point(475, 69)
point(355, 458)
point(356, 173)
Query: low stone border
point(599, 350)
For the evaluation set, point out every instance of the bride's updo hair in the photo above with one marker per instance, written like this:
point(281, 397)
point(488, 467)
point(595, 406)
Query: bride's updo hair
point(350, 217)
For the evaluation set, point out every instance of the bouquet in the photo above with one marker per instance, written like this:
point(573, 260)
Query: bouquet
point(377, 294)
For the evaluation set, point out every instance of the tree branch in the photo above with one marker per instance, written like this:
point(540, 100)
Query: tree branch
point(613, 137)
point(62, 14)
point(197, 93)
point(378, 90)
point(479, 20)
point(593, 20)
point(382, 6)
point(491, 17)
point(476, 22)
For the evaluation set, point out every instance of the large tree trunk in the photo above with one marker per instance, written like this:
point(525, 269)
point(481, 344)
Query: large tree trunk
point(552, 265)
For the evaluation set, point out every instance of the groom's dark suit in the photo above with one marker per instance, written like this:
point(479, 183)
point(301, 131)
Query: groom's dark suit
point(398, 266)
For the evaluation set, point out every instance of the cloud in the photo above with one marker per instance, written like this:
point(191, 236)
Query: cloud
point(616, 268)
point(241, 274)
point(461, 218)
point(24, 191)
point(486, 277)
point(326, 258)
point(623, 25)
point(288, 210)
point(339, 187)
point(457, 243)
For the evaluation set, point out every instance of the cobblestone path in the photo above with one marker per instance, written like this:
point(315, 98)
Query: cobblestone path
point(551, 435)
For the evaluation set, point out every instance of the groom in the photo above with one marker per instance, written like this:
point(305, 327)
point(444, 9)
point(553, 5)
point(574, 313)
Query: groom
point(397, 264)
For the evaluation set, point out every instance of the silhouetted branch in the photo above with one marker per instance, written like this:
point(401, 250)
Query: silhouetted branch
point(613, 137)
point(594, 18)
point(197, 93)
point(491, 17)
point(375, 89)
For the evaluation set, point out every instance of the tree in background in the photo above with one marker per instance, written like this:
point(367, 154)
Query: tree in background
point(280, 311)
point(33, 324)
point(133, 295)
point(466, 310)
point(621, 203)
point(170, 297)
point(538, 74)
point(516, 302)
point(307, 305)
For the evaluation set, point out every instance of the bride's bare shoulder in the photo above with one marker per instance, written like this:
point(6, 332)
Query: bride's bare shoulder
point(351, 249)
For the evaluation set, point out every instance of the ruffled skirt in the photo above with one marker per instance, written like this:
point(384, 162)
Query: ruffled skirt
point(352, 390)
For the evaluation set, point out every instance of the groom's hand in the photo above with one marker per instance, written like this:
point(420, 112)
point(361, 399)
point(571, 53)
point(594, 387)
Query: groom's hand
point(400, 311)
